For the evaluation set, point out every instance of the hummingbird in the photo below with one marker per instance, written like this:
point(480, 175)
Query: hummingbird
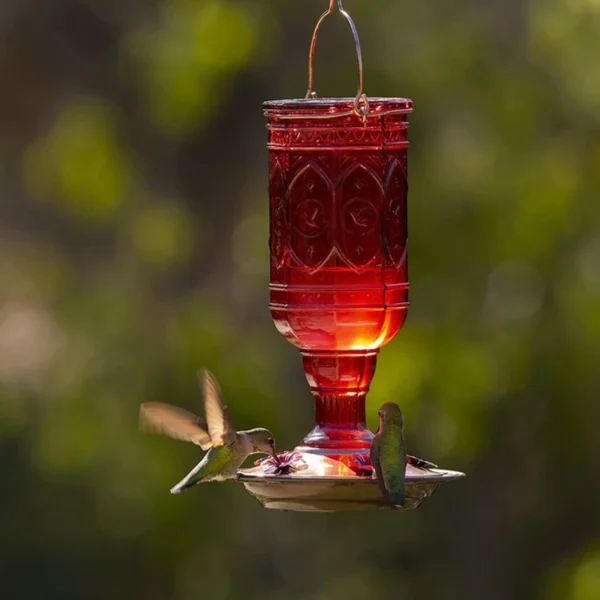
point(388, 454)
point(226, 448)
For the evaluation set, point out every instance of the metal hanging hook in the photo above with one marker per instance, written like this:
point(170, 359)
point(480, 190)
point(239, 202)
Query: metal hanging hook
point(361, 111)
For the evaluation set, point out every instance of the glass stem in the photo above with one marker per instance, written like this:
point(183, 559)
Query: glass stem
point(339, 381)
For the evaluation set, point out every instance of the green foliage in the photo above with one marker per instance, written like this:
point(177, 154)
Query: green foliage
point(80, 163)
point(189, 58)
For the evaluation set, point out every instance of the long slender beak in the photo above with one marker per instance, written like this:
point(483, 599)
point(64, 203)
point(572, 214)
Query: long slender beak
point(274, 455)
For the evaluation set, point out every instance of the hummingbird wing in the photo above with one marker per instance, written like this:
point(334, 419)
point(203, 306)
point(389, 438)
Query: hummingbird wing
point(220, 429)
point(376, 464)
point(393, 463)
point(389, 463)
point(175, 422)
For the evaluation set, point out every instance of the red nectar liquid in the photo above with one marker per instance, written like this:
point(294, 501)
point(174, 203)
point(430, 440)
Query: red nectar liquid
point(338, 242)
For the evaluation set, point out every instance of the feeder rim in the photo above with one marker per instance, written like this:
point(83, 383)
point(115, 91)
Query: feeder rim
point(435, 476)
point(322, 108)
point(336, 101)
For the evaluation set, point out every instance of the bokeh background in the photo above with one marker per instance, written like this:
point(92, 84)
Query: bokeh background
point(133, 249)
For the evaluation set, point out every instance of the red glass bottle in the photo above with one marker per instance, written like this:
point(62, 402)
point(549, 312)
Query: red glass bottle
point(338, 245)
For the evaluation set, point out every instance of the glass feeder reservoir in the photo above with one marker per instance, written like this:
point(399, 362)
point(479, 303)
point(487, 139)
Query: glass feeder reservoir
point(339, 283)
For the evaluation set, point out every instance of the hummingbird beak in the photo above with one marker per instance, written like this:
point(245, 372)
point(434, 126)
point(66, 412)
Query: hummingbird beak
point(273, 453)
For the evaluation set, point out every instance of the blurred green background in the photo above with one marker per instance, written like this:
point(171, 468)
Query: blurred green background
point(133, 250)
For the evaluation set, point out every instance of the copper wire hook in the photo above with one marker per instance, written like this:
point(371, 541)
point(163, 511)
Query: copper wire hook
point(361, 112)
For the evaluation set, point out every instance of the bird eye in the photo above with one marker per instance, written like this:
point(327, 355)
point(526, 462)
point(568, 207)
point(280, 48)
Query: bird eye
point(270, 440)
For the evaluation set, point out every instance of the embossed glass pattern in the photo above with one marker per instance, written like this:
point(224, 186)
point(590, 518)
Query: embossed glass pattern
point(338, 242)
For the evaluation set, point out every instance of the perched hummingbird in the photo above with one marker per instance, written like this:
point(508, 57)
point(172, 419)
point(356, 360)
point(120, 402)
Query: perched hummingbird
point(227, 449)
point(388, 454)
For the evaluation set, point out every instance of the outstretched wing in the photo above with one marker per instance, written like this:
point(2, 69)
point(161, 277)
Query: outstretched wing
point(220, 429)
point(177, 423)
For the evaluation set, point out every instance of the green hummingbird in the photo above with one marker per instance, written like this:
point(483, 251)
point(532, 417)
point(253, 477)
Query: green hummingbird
point(227, 448)
point(388, 454)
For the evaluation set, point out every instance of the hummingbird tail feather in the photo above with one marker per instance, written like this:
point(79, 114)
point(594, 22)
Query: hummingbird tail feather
point(419, 462)
point(176, 489)
point(397, 500)
point(182, 485)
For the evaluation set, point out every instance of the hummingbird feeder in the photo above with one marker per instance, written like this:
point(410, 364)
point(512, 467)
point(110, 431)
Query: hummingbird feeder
point(339, 283)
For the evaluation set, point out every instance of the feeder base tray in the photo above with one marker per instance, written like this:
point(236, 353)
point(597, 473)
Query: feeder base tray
point(316, 489)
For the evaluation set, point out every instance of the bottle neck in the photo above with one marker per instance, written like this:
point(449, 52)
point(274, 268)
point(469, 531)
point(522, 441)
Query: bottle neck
point(339, 382)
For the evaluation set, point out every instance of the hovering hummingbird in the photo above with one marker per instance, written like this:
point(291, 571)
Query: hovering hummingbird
point(227, 449)
point(388, 454)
